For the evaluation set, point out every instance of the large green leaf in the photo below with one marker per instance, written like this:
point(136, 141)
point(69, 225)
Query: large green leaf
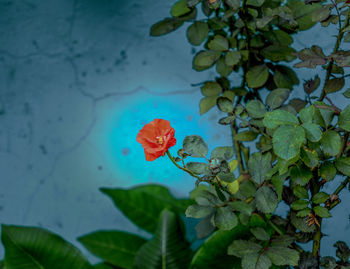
point(179, 8)
point(277, 97)
point(205, 59)
point(258, 166)
point(331, 142)
point(256, 109)
point(165, 26)
point(279, 117)
point(115, 247)
point(257, 76)
point(195, 146)
point(283, 256)
point(312, 131)
point(287, 141)
point(197, 32)
point(36, 248)
point(256, 261)
point(266, 200)
point(225, 218)
point(168, 249)
point(344, 119)
point(215, 248)
point(240, 248)
point(343, 165)
point(143, 204)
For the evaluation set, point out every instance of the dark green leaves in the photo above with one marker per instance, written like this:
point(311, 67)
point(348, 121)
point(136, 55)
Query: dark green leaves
point(343, 165)
point(205, 59)
point(232, 58)
point(256, 261)
point(258, 166)
point(195, 146)
point(320, 198)
point(257, 76)
point(143, 204)
point(114, 247)
point(334, 85)
point(283, 256)
point(240, 248)
point(168, 248)
point(219, 43)
point(300, 175)
point(198, 168)
point(266, 200)
point(287, 141)
point(198, 211)
point(165, 26)
point(277, 97)
point(322, 212)
point(27, 247)
point(256, 109)
point(344, 119)
point(225, 218)
point(211, 88)
point(197, 32)
point(224, 104)
point(222, 153)
point(331, 142)
point(245, 136)
point(179, 8)
point(207, 103)
point(279, 117)
point(312, 131)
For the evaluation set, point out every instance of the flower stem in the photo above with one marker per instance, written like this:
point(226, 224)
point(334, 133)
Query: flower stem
point(182, 168)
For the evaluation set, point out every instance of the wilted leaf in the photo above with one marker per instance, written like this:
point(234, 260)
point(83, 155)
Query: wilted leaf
point(311, 57)
point(311, 85)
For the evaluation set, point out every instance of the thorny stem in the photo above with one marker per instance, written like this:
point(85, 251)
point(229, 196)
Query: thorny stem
point(336, 47)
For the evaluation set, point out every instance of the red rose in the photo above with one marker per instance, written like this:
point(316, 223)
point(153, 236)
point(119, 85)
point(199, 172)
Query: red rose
point(156, 138)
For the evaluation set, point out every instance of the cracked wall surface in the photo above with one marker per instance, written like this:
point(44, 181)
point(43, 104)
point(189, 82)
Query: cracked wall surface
point(78, 79)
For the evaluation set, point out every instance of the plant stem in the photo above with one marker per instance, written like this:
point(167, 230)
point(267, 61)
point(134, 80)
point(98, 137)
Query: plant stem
point(182, 168)
point(318, 234)
point(331, 62)
point(237, 148)
point(338, 190)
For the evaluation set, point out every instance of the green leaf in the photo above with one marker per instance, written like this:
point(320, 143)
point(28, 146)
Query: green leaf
point(165, 26)
point(198, 211)
point(215, 248)
point(143, 204)
point(29, 247)
point(299, 204)
point(322, 212)
point(278, 53)
point(225, 218)
point(206, 104)
point(235, 4)
point(232, 58)
point(266, 200)
point(302, 13)
point(287, 141)
point(224, 104)
point(223, 153)
point(277, 97)
point(301, 223)
point(258, 166)
point(304, 212)
point(222, 68)
point(218, 43)
point(347, 93)
point(257, 76)
point(307, 114)
point(240, 248)
point(343, 251)
point(192, 3)
point(280, 37)
point(198, 168)
point(197, 32)
point(344, 119)
point(226, 120)
point(227, 177)
point(327, 171)
point(115, 247)
point(334, 85)
point(256, 109)
point(242, 207)
point(168, 248)
point(205, 59)
point(260, 233)
point(279, 117)
point(283, 256)
point(195, 146)
point(300, 175)
point(211, 88)
point(323, 116)
point(245, 136)
point(256, 261)
point(309, 157)
point(321, 14)
point(312, 131)
point(331, 142)
point(278, 182)
point(343, 165)
point(255, 3)
point(320, 198)
point(179, 8)
point(300, 192)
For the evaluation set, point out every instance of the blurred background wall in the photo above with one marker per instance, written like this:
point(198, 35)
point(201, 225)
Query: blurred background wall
point(78, 80)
